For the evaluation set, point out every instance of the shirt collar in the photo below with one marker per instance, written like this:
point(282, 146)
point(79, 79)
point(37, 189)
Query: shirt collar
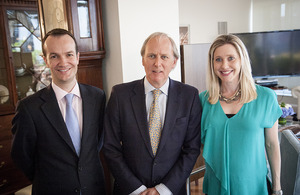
point(149, 87)
point(60, 93)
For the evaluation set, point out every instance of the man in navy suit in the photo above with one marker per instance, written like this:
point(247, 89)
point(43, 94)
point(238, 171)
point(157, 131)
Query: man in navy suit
point(42, 145)
point(135, 165)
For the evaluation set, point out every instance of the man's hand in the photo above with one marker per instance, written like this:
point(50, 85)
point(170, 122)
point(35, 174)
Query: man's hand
point(150, 191)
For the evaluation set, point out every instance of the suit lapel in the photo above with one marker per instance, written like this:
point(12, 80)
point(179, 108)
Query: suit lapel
point(139, 108)
point(53, 113)
point(87, 110)
point(171, 112)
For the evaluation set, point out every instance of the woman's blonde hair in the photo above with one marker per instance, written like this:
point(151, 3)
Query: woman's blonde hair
point(247, 85)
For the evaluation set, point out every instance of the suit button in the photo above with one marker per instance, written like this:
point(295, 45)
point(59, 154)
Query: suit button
point(76, 190)
point(79, 168)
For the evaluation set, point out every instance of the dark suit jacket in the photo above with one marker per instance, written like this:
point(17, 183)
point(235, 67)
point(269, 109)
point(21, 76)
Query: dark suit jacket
point(127, 144)
point(43, 149)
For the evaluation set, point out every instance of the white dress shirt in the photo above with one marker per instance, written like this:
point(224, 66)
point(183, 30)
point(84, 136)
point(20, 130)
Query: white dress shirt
point(76, 104)
point(162, 99)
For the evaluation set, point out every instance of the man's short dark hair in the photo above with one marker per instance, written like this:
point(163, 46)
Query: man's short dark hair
point(55, 33)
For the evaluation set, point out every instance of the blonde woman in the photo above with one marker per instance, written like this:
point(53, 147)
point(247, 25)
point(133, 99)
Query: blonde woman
point(239, 122)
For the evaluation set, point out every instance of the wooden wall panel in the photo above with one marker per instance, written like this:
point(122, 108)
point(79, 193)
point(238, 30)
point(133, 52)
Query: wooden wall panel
point(194, 59)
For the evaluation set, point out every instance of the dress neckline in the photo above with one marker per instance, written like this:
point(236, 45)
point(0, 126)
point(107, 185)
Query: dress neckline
point(230, 115)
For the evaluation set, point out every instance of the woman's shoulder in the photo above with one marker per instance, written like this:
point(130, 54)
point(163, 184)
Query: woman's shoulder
point(265, 92)
point(203, 95)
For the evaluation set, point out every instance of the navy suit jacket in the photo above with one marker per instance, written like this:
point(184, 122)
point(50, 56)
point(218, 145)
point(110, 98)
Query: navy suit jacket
point(127, 144)
point(43, 149)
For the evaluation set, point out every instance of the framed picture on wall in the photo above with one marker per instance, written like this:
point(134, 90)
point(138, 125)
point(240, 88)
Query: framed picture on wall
point(53, 15)
point(184, 34)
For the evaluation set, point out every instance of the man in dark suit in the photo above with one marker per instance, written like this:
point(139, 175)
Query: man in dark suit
point(43, 145)
point(143, 162)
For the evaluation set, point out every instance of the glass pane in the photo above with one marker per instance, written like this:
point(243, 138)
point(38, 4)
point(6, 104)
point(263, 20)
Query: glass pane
point(37, 33)
point(30, 70)
point(18, 34)
point(84, 18)
point(34, 20)
point(4, 92)
point(11, 14)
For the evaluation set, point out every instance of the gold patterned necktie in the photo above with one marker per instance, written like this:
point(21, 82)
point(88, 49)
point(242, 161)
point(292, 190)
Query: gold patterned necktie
point(154, 121)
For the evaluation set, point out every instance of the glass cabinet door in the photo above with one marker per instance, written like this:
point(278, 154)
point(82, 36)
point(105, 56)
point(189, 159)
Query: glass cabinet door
point(4, 83)
point(30, 70)
point(84, 18)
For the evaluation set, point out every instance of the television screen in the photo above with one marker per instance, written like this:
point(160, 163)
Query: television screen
point(273, 54)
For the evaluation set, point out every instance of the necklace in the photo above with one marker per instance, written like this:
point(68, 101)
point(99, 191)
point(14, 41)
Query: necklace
point(235, 97)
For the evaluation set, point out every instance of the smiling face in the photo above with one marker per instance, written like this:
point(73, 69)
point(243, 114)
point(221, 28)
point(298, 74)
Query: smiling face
point(158, 60)
point(62, 59)
point(227, 64)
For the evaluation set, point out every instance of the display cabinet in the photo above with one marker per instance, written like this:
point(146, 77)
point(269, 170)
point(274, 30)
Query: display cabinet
point(19, 77)
point(23, 71)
